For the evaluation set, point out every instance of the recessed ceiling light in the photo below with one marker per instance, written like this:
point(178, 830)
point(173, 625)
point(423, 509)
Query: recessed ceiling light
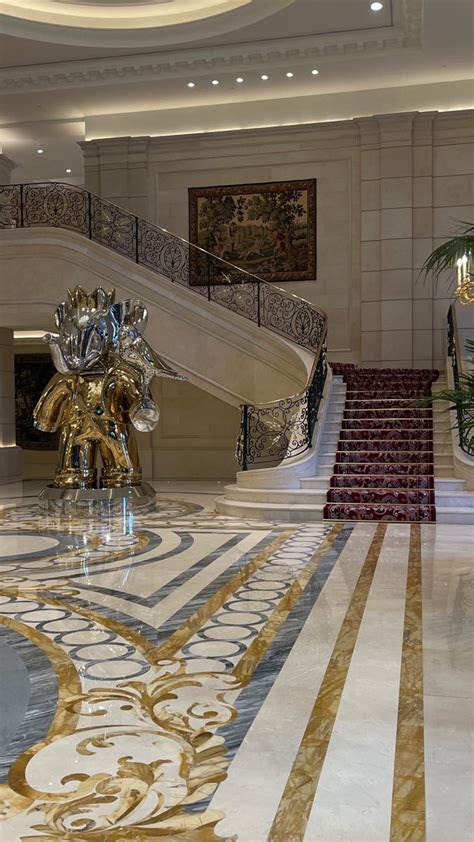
point(40, 151)
point(68, 170)
point(215, 81)
point(376, 7)
point(264, 77)
point(239, 80)
point(191, 84)
point(290, 74)
point(315, 72)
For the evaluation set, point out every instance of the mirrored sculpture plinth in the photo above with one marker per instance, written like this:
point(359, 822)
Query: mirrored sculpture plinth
point(100, 393)
point(97, 501)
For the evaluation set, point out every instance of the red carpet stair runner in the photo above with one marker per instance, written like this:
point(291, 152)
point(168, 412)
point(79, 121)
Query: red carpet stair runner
point(384, 460)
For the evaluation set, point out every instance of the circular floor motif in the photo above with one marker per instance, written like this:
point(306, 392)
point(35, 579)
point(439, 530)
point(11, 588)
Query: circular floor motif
point(16, 545)
point(27, 517)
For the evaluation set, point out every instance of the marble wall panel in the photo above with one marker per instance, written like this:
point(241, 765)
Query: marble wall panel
point(389, 188)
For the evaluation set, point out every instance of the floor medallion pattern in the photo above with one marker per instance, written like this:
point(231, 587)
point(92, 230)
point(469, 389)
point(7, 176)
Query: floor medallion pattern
point(175, 666)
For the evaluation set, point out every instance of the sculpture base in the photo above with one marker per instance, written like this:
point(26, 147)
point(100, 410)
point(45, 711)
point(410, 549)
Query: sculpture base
point(82, 501)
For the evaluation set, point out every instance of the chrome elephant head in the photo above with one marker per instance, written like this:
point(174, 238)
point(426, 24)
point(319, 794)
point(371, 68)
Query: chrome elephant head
point(96, 333)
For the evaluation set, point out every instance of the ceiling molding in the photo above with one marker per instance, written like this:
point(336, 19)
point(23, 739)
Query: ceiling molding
point(131, 24)
point(406, 32)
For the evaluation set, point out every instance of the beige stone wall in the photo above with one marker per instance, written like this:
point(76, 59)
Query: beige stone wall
point(10, 454)
point(389, 188)
point(196, 436)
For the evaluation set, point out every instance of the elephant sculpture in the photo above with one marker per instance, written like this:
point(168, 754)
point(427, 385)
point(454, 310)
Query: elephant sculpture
point(101, 390)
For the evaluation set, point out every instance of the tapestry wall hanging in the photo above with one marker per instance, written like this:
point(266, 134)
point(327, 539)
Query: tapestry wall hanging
point(266, 229)
point(32, 373)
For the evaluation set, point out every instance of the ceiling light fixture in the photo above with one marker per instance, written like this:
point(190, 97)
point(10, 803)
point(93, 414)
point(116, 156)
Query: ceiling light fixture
point(239, 80)
point(68, 170)
point(264, 77)
point(40, 151)
point(315, 72)
point(290, 74)
point(376, 7)
point(215, 81)
point(191, 84)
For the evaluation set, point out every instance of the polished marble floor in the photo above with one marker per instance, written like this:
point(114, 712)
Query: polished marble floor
point(180, 675)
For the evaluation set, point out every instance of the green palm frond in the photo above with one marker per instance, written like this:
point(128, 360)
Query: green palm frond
point(461, 398)
point(445, 256)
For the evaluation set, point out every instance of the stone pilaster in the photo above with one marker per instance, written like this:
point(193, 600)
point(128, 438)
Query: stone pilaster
point(6, 168)
point(116, 169)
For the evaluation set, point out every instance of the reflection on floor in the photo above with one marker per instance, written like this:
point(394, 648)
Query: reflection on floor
point(185, 676)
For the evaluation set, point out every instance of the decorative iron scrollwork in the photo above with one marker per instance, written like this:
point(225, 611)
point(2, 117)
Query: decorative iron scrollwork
point(56, 205)
point(276, 431)
point(269, 433)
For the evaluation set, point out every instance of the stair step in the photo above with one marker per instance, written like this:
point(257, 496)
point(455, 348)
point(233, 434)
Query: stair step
point(449, 486)
point(317, 483)
point(382, 496)
point(378, 468)
point(398, 512)
point(446, 514)
point(398, 481)
point(269, 511)
point(458, 499)
point(385, 456)
point(288, 496)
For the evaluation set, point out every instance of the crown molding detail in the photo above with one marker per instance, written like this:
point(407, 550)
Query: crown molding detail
point(131, 24)
point(405, 33)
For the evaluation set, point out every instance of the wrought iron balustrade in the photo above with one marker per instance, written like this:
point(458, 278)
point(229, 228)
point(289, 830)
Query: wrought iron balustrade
point(279, 430)
point(453, 352)
point(270, 432)
point(52, 204)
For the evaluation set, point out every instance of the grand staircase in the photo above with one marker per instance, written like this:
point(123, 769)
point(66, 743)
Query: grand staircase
point(384, 459)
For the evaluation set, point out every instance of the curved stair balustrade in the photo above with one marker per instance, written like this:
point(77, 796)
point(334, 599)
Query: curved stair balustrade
point(57, 205)
point(278, 430)
point(271, 432)
point(454, 354)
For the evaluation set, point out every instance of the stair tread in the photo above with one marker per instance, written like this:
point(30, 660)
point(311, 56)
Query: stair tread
point(462, 510)
point(250, 504)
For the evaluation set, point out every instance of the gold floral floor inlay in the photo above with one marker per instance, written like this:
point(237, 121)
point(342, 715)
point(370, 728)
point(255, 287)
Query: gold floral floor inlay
point(163, 706)
point(408, 801)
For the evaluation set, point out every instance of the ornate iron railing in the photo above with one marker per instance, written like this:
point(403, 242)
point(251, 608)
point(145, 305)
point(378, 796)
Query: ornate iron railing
point(270, 432)
point(52, 204)
point(278, 430)
point(453, 352)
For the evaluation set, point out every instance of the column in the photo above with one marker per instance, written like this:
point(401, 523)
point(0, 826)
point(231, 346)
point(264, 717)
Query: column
point(396, 240)
point(6, 168)
point(116, 169)
point(423, 243)
point(10, 454)
point(370, 241)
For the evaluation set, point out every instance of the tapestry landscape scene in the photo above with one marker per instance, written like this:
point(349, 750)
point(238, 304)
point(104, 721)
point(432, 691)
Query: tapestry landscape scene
point(266, 229)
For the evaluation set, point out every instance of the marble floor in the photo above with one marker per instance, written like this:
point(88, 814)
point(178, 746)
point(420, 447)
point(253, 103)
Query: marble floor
point(179, 675)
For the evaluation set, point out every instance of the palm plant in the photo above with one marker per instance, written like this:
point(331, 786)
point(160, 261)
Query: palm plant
point(448, 253)
point(460, 398)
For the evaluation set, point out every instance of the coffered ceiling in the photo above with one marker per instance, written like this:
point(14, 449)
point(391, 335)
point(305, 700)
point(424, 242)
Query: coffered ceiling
point(206, 65)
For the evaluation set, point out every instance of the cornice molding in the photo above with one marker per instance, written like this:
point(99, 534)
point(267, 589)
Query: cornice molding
point(406, 32)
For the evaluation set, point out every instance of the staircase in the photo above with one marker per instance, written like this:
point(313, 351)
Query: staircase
point(384, 462)
point(260, 495)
